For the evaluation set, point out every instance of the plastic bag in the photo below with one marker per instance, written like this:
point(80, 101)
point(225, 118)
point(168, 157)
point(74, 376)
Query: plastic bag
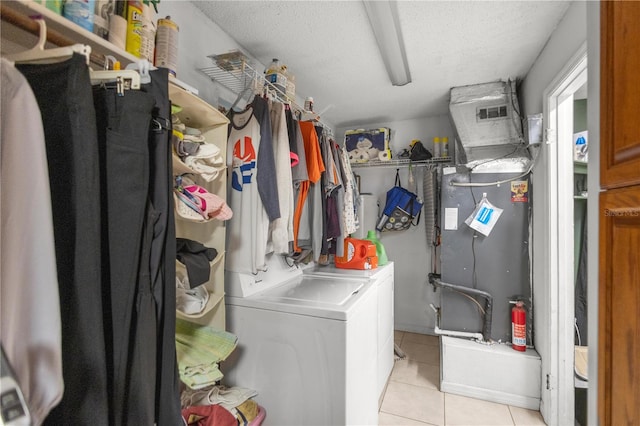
point(419, 152)
point(484, 217)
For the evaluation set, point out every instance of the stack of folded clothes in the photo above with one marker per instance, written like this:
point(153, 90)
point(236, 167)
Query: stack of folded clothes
point(219, 405)
point(199, 349)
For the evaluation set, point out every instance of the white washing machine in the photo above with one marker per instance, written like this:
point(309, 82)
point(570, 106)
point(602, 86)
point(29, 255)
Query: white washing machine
point(383, 279)
point(306, 344)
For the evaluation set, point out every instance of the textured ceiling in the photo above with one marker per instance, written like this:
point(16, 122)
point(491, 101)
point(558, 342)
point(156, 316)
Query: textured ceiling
point(331, 49)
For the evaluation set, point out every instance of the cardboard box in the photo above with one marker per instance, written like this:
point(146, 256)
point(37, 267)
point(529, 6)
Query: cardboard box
point(364, 145)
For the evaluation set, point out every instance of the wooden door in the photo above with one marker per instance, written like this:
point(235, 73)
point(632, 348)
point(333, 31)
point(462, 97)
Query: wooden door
point(619, 305)
point(619, 245)
point(620, 103)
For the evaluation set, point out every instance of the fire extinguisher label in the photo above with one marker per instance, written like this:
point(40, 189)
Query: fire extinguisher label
point(519, 334)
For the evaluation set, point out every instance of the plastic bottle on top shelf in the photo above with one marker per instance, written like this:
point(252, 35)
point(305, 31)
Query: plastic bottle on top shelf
point(445, 147)
point(80, 12)
point(54, 5)
point(291, 86)
point(437, 147)
point(134, 27)
point(275, 74)
point(148, 33)
point(308, 104)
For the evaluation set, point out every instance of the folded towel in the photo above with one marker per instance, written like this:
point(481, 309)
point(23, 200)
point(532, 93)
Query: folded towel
point(199, 348)
point(229, 398)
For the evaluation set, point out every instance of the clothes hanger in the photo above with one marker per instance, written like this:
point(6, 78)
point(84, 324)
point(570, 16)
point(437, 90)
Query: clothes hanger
point(124, 79)
point(38, 54)
point(143, 66)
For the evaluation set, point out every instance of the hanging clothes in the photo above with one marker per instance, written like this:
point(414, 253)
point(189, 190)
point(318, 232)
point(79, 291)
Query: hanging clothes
point(281, 229)
point(63, 92)
point(303, 217)
point(326, 184)
point(292, 133)
point(265, 168)
point(299, 171)
point(349, 213)
point(30, 310)
point(123, 129)
point(111, 186)
point(253, 188)
point(337, 208)
point(163, 250)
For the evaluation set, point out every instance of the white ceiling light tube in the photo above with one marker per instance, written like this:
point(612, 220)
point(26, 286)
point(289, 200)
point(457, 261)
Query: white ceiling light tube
point(384, 20)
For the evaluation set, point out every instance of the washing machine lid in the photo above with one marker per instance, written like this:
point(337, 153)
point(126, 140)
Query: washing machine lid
point(331, 270)
point(320, 296)
point(319, 290)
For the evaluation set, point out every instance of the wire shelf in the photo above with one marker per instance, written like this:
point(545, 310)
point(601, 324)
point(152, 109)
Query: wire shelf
point(401, 162)
point(234, 72)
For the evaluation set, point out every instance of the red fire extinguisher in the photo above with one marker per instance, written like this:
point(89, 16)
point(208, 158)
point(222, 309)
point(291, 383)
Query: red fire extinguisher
point(518, 326)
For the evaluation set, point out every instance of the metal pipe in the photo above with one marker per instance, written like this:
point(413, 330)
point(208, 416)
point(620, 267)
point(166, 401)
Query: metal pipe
point(434, 279)
point(438, 330)
point(477, 336)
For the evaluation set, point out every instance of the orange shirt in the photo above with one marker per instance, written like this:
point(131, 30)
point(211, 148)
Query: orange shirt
point(315, 165)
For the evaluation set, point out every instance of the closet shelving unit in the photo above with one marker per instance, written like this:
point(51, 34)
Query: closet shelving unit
point(19, 33)
point(213, 124)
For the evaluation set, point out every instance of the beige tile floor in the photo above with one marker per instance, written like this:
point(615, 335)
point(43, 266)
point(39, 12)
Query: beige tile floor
point(413, 396)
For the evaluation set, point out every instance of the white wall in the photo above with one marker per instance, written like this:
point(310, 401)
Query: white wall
point(567, 38)
point(199, 37)
point(408, 249)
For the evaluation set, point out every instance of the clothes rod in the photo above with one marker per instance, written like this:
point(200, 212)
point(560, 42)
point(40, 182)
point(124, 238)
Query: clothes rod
point(25, 23)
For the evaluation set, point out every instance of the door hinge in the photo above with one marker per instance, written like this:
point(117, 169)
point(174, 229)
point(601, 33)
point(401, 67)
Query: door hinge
point(548, 381)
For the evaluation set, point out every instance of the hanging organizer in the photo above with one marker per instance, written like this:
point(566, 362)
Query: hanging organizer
point(233, 71)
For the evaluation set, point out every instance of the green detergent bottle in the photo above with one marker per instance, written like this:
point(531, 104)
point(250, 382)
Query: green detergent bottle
point(382, 254)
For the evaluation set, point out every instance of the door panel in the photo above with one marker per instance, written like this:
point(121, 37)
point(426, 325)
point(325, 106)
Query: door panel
point(619, 299)
point(619, 245)
point(620, 103)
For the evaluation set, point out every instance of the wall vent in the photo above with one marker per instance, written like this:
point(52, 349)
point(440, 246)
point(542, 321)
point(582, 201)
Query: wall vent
point(492, 113)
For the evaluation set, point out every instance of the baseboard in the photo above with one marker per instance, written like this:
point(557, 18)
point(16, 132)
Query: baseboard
point(491, 395)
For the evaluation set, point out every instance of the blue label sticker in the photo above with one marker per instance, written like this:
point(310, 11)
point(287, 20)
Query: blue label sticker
point(484, 215)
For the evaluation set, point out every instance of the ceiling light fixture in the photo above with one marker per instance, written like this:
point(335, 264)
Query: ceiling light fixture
point(384, 20)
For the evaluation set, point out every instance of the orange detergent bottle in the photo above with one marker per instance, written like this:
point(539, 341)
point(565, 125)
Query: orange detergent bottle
point(358, 254)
